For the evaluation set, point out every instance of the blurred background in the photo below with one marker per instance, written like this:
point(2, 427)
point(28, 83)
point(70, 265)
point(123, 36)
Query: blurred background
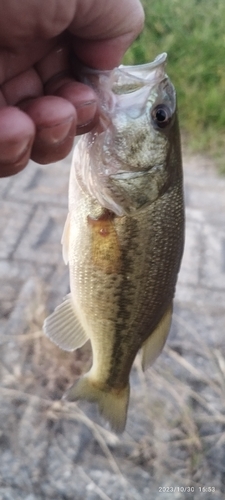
point(174, 443)
point(192, 33)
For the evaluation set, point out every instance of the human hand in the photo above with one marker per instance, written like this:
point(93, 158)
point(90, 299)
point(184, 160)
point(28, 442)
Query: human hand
point(42, 107)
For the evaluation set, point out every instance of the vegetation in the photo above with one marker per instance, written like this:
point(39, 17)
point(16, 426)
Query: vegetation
point(192, 33)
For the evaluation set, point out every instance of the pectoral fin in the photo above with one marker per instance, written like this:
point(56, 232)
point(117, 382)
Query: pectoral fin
point(155, 343)
point(65, 239)
point(63, 327)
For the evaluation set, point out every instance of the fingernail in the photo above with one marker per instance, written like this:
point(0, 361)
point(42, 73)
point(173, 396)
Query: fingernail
point(12, 152)
point(13, 165)
point(57, 133)
point(85, 112)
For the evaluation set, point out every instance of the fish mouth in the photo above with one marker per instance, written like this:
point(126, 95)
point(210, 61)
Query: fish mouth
point(125, 80)
point(143, 72)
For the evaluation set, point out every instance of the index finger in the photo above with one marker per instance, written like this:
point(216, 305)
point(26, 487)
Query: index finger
point(103, 31)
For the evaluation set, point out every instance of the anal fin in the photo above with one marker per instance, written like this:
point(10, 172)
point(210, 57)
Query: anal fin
point(152, 347)
point(64, 328)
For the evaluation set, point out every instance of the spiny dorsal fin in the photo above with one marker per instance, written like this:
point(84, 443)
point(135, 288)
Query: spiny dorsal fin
point(152, 347)
point(63, 327)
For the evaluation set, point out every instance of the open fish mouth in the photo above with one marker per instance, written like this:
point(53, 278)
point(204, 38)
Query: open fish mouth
point(128, 78)
point(126, 87)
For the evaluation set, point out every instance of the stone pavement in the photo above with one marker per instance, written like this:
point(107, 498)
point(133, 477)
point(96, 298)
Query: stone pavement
point(201, 281)
point(33, 208)
point(33, 211)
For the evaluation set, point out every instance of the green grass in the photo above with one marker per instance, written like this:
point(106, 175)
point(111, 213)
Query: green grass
point(192, 32)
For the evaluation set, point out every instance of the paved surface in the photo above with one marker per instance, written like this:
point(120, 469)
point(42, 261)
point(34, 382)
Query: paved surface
point(33, 209)
point(202, 278)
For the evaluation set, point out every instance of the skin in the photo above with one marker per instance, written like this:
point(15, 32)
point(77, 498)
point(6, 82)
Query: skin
point(42, 106)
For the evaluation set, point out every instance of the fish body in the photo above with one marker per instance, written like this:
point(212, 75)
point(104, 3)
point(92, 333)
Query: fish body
point(124, 234)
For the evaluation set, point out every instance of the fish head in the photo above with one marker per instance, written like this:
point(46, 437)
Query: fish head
point(125, 162)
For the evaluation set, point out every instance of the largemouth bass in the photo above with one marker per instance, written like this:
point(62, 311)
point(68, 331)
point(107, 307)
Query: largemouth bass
point(123, 237)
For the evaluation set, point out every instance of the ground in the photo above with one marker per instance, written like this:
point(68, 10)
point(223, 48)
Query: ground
point(174, 443)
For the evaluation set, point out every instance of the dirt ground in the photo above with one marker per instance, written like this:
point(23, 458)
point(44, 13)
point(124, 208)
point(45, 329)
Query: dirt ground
point(174, 443)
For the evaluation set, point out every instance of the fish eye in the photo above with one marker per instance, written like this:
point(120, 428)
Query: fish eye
point(161, 115)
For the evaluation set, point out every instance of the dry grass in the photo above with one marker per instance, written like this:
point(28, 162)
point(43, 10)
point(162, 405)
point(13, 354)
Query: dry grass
point(186, 406)
point(179, 407)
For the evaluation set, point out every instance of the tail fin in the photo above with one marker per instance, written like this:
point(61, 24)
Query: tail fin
point(111, 402)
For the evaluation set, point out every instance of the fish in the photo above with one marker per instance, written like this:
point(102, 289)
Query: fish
point(124, 234)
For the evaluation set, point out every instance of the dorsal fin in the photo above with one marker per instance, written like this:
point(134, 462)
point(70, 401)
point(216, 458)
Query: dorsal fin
point(152, 347)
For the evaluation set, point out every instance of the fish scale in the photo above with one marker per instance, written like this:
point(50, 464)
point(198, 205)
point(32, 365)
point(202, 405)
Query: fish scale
point(124, 234)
